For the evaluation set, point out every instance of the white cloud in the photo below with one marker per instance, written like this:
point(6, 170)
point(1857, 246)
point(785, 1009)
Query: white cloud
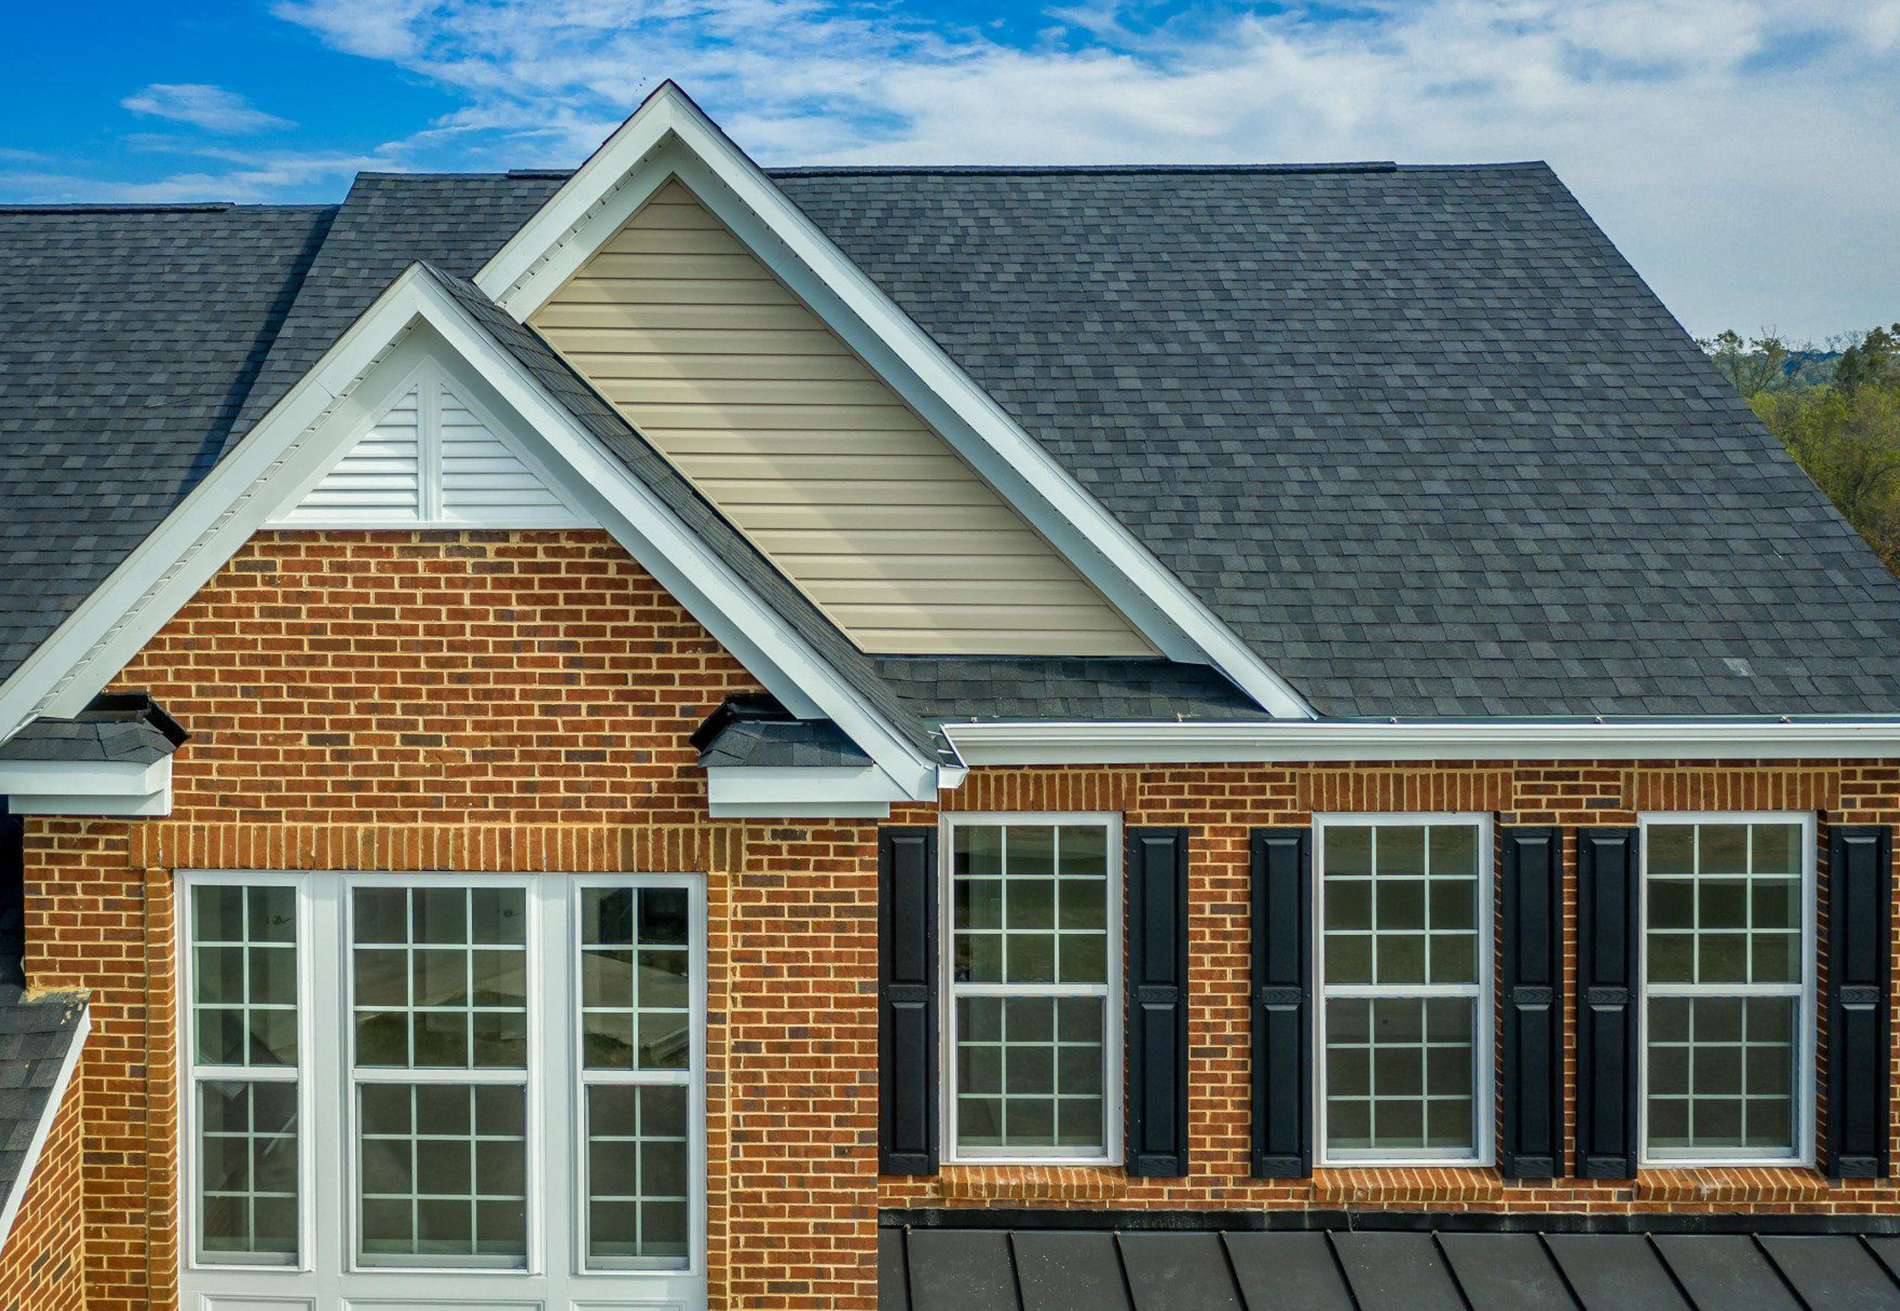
point(211, 108)
point(1731, 147)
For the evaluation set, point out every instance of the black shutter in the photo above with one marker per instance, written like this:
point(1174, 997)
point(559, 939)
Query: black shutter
point(1606, 1003)
point(1530, 987)
point(1157, 1001)
point(1858, 882)
point(907, 1000)
point(1282, 1015)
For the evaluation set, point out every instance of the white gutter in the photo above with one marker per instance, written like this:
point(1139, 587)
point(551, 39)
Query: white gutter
point(1266, 741)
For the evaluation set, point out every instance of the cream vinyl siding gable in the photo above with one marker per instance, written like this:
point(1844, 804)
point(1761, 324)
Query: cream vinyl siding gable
point(809, 453)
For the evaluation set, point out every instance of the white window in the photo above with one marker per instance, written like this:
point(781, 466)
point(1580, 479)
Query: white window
point(479, 1090)
point(1403, 1022)
point(1728, 970)
point(1032, 987)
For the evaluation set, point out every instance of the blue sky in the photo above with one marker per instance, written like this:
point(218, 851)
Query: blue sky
point(1744, 153)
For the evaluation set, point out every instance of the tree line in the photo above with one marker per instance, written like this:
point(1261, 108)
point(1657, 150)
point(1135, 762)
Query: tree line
point(1838, 413)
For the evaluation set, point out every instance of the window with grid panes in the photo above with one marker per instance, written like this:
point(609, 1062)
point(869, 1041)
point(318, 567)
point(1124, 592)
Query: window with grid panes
point(636, 1058)
point(501, 1087)
point(1728, 981)
point(1033, 967)
point(440, 1063)
point(1403, 904)
point(243, 1057)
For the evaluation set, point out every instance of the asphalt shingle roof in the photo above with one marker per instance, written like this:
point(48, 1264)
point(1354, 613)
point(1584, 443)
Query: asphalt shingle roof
point(128, 340)
point(34, 1037)
point(1420, 435)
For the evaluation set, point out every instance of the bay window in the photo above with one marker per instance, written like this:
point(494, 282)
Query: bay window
point(1034, 993)
point(1728, 976)
point(1403, 1016)
point(488, 1088)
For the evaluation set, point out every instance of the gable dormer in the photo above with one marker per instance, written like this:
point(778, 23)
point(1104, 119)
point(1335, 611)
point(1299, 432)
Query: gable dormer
point(812, 455)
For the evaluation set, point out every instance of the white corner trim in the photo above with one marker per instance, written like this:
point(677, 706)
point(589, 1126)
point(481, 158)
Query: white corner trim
point(533, 264)
point(70, 787)
point(1264, 741)
point(337, 397)
point(788, 792)
point(56, 1098)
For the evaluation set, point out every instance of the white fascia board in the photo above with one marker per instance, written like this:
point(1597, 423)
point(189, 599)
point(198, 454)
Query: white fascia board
point(669, 134)
point(794, 792)
point(1268, 742)
point(73, 787)
point(285, 452)
point(55, 1101)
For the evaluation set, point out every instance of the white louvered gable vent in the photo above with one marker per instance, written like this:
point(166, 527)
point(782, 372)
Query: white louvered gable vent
point(433, 459)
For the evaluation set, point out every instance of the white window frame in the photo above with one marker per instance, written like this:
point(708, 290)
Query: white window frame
point(1483, 1056)
point(192, 1073)
point(1806, 993)
point(1110, 991)
point(326, 1272)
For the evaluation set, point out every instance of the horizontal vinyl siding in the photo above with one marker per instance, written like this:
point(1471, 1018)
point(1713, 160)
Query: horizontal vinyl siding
point(809, 453)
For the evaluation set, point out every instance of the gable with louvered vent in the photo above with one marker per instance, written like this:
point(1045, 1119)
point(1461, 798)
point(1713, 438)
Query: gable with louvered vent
point(434, 458)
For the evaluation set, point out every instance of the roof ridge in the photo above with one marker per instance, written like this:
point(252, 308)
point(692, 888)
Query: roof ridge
point(138, 207)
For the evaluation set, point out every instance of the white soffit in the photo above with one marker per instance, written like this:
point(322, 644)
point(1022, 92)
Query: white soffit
point(369, 367)
point(669, 135)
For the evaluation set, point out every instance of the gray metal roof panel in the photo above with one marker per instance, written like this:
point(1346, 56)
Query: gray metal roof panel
point(961, 1270)
point(1287, 1270)
point(1393, 1271)
point(1505, 1272)
point(1832, 1271)
point(1615, 1272)
point(1169, 1271)
point(1058, 1270)
point(1724, 1270)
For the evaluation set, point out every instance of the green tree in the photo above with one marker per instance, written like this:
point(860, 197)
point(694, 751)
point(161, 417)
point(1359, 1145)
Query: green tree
point(1874, 359)
point(1752, 366)
point(1845, 433)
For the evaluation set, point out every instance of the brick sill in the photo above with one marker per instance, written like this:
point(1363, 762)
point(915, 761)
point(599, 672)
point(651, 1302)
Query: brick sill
point(1382, 1185)
point(1067, 1183)
point(1730, 1184)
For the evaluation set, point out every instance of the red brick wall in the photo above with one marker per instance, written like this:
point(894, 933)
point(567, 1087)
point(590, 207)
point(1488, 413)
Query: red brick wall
point(43, 1267)
point(1221, 804)
point(521, 701)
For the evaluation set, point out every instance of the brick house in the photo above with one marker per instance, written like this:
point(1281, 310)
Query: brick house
point(681, 735)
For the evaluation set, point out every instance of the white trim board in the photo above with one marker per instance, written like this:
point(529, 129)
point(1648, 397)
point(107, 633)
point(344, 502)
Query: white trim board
point(669, 135)
point(92, 787)
point(417, 317)
point(1072, 742)
point(55, 1099)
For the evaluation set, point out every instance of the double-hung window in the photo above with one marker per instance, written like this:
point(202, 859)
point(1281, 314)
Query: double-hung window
point(244, 1050)
point(1033, 987)
point(1404, 1016)
point(473, 1089)
point(1728, 988)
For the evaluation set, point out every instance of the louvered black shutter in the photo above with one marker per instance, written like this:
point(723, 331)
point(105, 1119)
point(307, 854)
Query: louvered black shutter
point(907, 1000)
point(1157, 1001)
point(1858, 895)
point(1530, 986)
point(1606, 1003)
point(1282, 992)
